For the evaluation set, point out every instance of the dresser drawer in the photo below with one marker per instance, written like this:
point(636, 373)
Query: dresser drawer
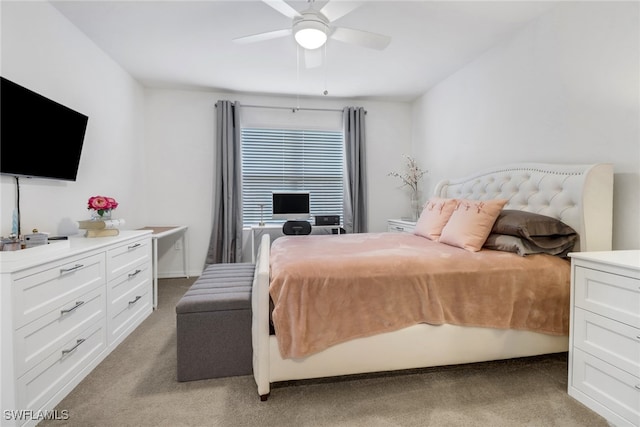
point(124, 258)
point(44, 336)
point(611, 341)
point(608, 294)
point(40, 384)
point(126, 310)
point(616, 390)
point(121, 285)
point(46, 290)
point(396, 226)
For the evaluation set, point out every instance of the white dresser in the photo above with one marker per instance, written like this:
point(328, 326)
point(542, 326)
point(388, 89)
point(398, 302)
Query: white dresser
point(604, 351)
point(400, 226)
point(65, 307)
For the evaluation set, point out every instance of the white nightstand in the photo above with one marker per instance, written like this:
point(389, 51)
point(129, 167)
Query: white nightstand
point(400, 226)
point(604, 346)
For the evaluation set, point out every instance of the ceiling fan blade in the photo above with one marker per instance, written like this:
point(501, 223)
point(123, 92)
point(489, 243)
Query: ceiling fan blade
point(337, 9)
point(361, 38)
point(313, 57)
point(263, 36)
point(283, 8)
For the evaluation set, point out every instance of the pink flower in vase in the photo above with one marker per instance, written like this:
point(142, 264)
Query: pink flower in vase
point(102, 205)
point(112, 203)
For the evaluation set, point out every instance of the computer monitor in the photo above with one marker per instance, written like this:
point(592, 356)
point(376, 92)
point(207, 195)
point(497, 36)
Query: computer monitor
point(291, 205)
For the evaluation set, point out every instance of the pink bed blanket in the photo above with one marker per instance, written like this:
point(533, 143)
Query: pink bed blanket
point(331, 289)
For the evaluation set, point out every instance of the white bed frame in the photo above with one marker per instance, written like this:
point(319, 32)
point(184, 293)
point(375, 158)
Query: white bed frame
point(579, 195)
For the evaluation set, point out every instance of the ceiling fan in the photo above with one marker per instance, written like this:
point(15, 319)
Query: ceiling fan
point(311, 28)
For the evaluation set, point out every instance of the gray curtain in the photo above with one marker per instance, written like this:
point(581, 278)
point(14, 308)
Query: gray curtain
point(355, 194)
point(225, 245)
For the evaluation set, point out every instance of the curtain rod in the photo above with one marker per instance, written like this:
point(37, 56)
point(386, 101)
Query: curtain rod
point(293, 109)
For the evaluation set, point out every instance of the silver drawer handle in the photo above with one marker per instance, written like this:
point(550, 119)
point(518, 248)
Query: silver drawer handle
point(75, 267)
point(69, 310)
point(78, 342)
point(135, 300)
point(134, 246)
point(135, 273)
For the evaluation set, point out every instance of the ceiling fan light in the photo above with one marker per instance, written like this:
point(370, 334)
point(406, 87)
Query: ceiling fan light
point(310, 38)
point(310, 34)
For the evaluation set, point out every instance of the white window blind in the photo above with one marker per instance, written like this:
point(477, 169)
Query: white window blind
point(291, 160)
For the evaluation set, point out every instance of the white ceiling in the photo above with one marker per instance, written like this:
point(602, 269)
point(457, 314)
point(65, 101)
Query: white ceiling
point(183, 44)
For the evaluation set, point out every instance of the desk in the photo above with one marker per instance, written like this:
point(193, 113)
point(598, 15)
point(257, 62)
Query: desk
point(271, 227)
point(158, 233)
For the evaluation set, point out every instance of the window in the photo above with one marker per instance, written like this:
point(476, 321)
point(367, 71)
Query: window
point(291, 160)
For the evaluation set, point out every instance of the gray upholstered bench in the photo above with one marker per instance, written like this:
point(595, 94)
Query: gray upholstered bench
point(213, 322)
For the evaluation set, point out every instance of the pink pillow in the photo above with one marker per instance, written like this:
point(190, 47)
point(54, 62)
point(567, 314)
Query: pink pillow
point(434, 216)
point(471, 223)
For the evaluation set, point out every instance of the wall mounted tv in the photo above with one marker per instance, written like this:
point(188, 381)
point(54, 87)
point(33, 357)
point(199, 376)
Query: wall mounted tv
point(290, 205)
point(38, 136)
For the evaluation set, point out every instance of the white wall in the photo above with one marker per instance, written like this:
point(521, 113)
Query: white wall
point(180, 126)
point(565, 89)
point(44, 52)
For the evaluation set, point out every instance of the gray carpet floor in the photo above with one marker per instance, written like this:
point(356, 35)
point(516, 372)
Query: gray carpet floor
point(136, 386)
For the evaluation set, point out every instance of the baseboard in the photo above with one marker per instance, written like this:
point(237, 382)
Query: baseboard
point(177, 274)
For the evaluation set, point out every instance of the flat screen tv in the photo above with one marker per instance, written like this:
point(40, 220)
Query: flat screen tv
point(291, 205)
point(38, 136)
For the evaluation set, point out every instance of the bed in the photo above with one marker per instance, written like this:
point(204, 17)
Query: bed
point(578, 195)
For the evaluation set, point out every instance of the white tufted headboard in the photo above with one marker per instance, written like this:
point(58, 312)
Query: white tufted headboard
point(581, 196)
